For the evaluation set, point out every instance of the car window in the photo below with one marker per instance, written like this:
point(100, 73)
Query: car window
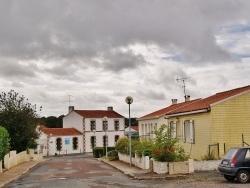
point(231, 153)
point(247, 154)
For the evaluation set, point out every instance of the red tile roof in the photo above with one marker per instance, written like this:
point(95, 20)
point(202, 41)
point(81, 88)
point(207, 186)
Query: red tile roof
point(98, 113)
point(135, 128)
point(168, 109)
point(207, 102)
point(60, 131)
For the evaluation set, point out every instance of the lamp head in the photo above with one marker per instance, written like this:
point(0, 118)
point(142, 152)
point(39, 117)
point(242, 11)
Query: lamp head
point(129, 100)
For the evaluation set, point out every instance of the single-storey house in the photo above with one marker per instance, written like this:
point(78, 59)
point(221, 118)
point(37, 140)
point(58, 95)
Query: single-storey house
point(215, 123)
point(53, 141)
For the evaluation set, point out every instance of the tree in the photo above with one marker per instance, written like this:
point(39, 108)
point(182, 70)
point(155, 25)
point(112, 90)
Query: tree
point(52, 121)
point(19, 117)
point(4, 142)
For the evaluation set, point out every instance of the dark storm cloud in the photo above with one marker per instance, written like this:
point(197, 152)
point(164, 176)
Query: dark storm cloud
point(77, 29)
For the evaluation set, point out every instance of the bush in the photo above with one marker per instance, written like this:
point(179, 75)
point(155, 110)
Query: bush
point(113, 155)
point(122, 146)
point(166, 148)
point(4, 142)
point(209, 156)
point(144, 148)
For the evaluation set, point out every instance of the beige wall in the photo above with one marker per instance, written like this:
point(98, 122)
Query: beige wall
point(231, 119)
point(150, 124)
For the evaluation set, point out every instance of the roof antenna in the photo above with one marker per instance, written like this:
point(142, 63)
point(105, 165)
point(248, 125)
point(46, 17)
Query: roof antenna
point(183, 80)
point(70, 100)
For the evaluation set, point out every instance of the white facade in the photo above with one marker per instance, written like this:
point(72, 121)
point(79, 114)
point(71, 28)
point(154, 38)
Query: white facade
point(147, 126)
point(47, 144)
point(94, 135)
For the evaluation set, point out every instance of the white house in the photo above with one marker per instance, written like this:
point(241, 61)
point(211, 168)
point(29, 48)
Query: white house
point(96, 126)
point(54, 141)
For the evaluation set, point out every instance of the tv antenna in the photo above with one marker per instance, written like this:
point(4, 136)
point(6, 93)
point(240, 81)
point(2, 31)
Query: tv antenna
point(70, 100)
point(184, 85)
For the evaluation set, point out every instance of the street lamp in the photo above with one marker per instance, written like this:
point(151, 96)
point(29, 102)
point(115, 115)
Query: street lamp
point(129, 100)
point(105, 123)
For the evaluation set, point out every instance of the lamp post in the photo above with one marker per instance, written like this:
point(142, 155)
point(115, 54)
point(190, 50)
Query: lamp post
point(129, 100)
point(105, 123)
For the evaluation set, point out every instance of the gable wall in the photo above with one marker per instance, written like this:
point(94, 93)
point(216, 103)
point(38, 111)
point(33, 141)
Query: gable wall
point(230, 120)
point(73, 120)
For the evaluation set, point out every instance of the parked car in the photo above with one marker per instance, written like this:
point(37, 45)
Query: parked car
point(236, 164)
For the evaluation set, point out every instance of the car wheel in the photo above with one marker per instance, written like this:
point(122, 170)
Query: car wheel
point(229, 178)
point(243, 176)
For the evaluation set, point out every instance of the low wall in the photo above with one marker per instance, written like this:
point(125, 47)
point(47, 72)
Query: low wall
point(206, 165)
point(141, 162)
point(164, 167)
point(13, 159)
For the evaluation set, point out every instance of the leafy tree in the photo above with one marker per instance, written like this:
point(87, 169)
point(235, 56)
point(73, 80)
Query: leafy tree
point(19, 117)
point(52, 121)
point(4, 142)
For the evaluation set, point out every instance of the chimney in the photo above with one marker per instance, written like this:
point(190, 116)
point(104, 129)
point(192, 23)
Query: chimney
point(174, 101)
point(187, 98)
point(110, 108)
point(71, 108)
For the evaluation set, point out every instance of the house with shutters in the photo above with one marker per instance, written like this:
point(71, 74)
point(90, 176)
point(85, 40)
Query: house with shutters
point(212, 124)
point(56, 141)
point(152, 121)
point(99, 128)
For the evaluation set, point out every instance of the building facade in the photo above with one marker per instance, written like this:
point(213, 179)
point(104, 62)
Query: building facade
point(99, 128)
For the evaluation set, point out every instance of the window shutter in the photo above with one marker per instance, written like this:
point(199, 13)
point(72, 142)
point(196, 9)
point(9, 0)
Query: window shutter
point(192, 136)
point(174, 130)
point(183, 132)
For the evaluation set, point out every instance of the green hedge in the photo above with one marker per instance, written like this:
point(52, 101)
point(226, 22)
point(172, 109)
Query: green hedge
point(101, 151)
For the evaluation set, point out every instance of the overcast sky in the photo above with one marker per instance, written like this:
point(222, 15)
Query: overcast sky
point(100, 52)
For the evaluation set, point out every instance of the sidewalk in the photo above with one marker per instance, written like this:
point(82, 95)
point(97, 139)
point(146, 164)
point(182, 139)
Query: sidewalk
point(15, 172)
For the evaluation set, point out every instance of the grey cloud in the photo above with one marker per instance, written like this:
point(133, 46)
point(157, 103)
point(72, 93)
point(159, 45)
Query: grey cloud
point(12, 69)
point(63, 29)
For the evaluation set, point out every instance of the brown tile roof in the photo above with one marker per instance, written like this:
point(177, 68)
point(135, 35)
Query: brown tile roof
point(207, 102)
point(168, 109)
point(135, 128)
point(60, 131)
point(98, 113)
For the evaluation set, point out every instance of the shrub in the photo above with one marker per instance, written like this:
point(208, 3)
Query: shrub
point(4, 142)
point(122, 146)
point(144, 148)
point(113, 155)
point(166, 148)
point(209, 156)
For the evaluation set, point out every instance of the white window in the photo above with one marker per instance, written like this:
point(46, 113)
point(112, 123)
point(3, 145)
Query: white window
point(188, 131)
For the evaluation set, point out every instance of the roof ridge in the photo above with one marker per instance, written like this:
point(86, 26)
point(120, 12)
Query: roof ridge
point(233, 89)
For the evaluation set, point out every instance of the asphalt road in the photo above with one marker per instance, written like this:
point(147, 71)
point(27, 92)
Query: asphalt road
point(85, 172)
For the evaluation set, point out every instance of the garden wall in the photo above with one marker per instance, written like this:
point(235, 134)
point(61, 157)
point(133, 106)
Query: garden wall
point(141, 162)
point(13, 159)
point(172, 168)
